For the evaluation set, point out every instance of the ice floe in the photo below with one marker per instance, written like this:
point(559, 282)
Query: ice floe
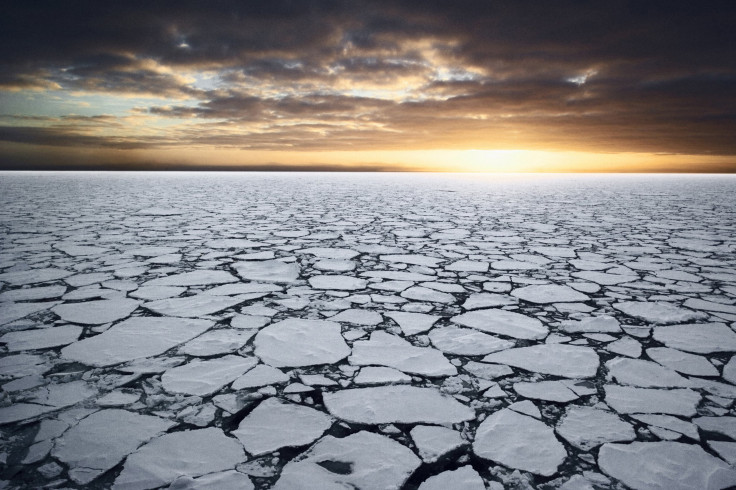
point(503, 322)
point(297, 342)
point(96, 312)
point(360, 460)
point(705, 338)
point(588, 427)
point(188, 453)
point(41, 338)
point(628, 399)
point(569, 361)
point(464, 477)
point(519, 441)
point(549, 293)
point(384, 349)
point(134, 338)
point(89, 451)
point(657, 312)
point(203, 378)
point(665, 466)
point(268, 271)
point(396, 404)
point(274, 424)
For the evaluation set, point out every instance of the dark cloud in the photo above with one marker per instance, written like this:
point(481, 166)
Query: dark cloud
point(654, 76)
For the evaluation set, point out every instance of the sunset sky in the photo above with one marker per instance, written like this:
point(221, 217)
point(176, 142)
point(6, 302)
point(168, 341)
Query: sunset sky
point(414, 85)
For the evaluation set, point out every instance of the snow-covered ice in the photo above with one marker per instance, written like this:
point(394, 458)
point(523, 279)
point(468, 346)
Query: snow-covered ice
point(134, 338)
point(665, 466)
point(519, 441)
point(360, 460)
point(384, 349)
point(206, 377)
point(89, 451)
point(96, 312)
point(569, 361)
point(434, 441)
point(588, 427)
point(503, 322)
point(274, 424)
point(373, 331)
point(396, 404)
point(295, 342)
point(187, 453)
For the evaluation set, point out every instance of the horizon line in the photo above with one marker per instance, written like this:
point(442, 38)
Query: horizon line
point(337, 168)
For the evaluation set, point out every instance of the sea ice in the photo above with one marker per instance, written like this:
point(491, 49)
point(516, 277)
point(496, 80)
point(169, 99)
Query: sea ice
point(503, 322)
point(9, 311)
point(232, 243)
point(705, 338)
point(627, 399)
point(549, 293)
point(682, 362)
point(670, 423)
point(593, 324)
point(337, 282)
point(419, 293)
point(268, 271)
point(188, 453)
point(588, 427)
point(467, 266)
point(215, 342)
point(193, 278)
point(569, 361)
point(193, 306)
point(433, 442)
point(88, 446)
point(151, 293)
point(330, 253)
point(658, 313)
point(466, 341)
point(204, 378)
point(384, 349)
point(665, 466)
point(375, 375)
point(297, 342)
point(646, 374)
point(34, 276)
point(725, 425)
point(555, 391)
point(464, 477)
point(96, 312)
point(274, 424)
point(358, 317)
point(412, 323)
point(41, 338)
point(414, 259)
point(520, 442)
point(261, 375)
point(33, 294)
point(396, 404)
point(224, 480)
point(134, 338)
point(360, 460)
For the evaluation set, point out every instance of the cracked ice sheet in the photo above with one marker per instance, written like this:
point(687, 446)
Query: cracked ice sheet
point(135, 338)
point(612, 242)
point(396, 404)
point(190, 453)
point(88, 449)
point(274, 424)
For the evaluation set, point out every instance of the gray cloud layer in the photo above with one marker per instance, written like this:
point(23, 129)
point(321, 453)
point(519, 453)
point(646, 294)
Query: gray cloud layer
point(655, 76)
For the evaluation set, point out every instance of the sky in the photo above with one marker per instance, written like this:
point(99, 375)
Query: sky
point(484, 86)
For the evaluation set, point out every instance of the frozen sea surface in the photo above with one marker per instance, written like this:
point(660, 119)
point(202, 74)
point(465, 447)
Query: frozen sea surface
point(266, 330)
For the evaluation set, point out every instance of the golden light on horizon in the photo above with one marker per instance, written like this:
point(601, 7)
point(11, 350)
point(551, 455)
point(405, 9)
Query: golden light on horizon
point(451, 88)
